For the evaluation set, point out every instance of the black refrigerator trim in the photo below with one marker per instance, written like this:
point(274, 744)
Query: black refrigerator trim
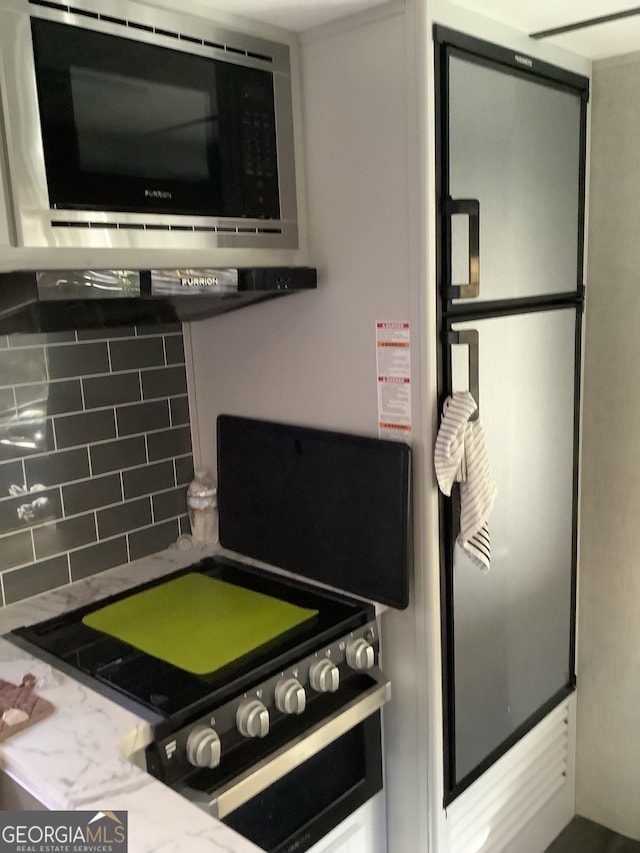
point(508, 744)
point(487, 53)
point(449, 42)
point(505, 307)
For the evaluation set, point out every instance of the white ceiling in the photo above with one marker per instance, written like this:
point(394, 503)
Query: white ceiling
point(294, 15)
point(530, 16)
point(595, 42)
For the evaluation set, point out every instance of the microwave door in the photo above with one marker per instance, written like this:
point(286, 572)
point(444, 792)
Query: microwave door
point(131, 126)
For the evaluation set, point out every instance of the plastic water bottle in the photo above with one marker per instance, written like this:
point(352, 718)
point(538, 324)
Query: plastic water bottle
point(202, 505)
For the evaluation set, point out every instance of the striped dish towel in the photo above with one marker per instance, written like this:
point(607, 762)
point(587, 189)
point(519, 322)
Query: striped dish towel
point(461, 456)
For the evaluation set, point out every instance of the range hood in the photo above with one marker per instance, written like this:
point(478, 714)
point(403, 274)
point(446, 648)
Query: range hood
point(57, 300)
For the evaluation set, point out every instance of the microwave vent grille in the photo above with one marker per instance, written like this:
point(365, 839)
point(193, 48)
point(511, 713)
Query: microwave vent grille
point(134, 25)
point(143, 226)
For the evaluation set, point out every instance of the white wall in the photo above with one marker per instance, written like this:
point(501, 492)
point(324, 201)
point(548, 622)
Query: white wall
point(608, 765)
point(311, 358)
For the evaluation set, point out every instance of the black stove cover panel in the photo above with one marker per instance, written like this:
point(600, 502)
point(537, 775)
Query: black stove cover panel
point(329, 506)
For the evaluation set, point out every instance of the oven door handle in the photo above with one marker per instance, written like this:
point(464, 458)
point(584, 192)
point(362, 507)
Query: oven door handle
point(275, 766)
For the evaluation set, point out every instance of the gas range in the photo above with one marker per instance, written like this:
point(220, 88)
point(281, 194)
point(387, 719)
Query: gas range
point(224, 738)
point(264, 696)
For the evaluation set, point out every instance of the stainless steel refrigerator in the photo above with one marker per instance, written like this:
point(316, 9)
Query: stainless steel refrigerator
point(511, 154)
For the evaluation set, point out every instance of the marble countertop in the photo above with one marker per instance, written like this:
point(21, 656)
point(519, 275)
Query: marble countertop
point(80, 756)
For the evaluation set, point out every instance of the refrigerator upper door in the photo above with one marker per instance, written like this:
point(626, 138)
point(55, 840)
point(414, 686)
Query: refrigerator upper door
point(512, 625)
point(515, 184)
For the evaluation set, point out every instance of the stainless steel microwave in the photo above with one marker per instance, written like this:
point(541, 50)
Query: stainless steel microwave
point(132, 126)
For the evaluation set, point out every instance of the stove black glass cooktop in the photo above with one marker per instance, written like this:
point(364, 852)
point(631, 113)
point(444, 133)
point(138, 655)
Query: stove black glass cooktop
point(165, 689)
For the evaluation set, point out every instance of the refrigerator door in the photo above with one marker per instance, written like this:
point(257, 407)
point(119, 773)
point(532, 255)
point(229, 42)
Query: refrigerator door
point(513, 206)
point(510, 648)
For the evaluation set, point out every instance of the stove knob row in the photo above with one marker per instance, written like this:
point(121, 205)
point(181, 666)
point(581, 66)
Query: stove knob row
point(203, 747)
point(252, 718)
point(324, 676)
point(290, 696)
point(360, 654)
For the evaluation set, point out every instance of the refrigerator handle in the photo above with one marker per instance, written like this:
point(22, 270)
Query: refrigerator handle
point(470, 339)
point(469, 207)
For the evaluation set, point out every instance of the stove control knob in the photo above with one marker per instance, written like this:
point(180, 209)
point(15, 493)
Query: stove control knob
point(360, 654)
point(324, 676)
point(252, 719)
point(290, 696)
point(203, 747)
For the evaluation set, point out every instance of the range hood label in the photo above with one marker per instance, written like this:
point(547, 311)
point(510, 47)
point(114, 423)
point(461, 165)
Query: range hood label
point(184, 282)
point(393, 366)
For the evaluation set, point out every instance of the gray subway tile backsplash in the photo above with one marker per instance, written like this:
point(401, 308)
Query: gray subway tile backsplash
point(133, 353)
point(124, 517)
point(174, 349)
point(167, 504)
point(117, 455)
point(64, 535)
point(57, 398)
point(184, 470)
point(144, 542)
point(148, 479)
point(11, 474)
point(159, 328)
point(97, 558)
point(53, 469)
point(77, 360)
point(111, 390)
point(30, 340)
point(17, 367)
point(166, 382)
point(142, 417)
point(7, 403)
point(23, 435)
point(84, 428)
point(111, 333)
point(24, 510)
point(39, 577)
point(17, 549)
point(91, 494)
point(168, 443)
point(179, 408)
point(91, 476)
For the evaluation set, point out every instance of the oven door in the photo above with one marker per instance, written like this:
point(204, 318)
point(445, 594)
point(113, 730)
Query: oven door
point(290, 799)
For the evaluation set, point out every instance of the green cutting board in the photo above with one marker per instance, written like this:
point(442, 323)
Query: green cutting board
point(197, 623)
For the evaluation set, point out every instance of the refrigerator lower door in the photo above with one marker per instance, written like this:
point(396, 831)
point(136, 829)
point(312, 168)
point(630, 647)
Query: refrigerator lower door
point(511, 627)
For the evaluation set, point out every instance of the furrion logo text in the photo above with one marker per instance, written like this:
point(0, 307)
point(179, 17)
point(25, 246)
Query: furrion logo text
point(63, 832)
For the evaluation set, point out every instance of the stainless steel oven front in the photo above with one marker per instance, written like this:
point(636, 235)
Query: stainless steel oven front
point(304, 804)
